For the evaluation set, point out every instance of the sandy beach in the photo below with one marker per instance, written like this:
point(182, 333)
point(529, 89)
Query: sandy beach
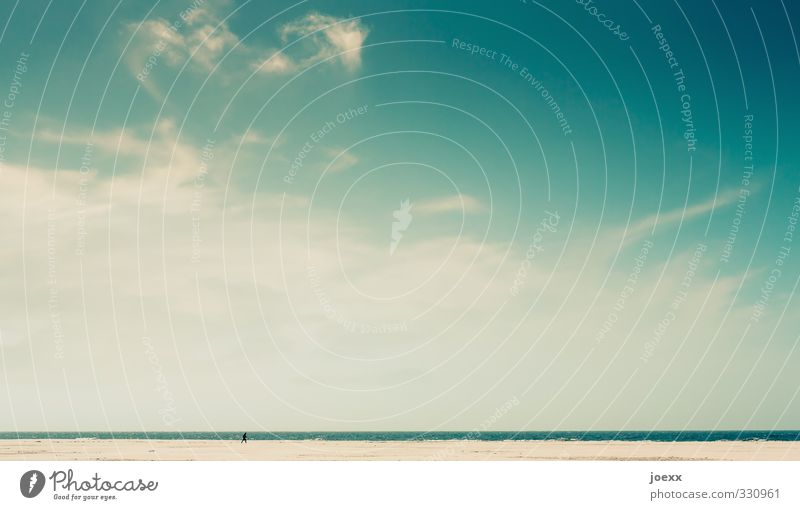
point(92, 449)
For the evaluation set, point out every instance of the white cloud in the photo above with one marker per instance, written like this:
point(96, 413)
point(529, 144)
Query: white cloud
point(455, 203)
point(466, 333)
point(325, 37)
point(210, 41)
point(344, 160)
point(197, 33)
point(254, 137)
point(201, 35)
point(275, 63)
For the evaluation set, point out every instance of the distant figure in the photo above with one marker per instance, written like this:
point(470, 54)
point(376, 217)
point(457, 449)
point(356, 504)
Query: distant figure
point(244, 438)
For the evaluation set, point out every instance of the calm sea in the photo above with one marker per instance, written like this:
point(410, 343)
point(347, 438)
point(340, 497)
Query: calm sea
point(697, 435)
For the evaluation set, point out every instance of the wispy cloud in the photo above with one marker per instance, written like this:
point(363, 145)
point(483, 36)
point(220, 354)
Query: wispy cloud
point(673, 216)
point(454, 203)
point(117, 141)
point(325, 37)
point(344, 160)
point(200, 34)
point(275, 63)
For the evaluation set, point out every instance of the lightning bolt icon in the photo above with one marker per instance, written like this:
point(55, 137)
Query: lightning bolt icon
point(32, 483)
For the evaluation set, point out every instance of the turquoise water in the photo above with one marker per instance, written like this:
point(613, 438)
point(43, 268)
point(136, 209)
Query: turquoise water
point(665, 436)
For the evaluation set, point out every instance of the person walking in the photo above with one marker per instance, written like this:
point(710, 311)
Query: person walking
point(244, 438)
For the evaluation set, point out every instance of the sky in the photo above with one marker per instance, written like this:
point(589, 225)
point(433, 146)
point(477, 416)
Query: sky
point(406, 215)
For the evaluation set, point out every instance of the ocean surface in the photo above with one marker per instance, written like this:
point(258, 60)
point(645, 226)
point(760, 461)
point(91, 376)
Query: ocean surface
point(664, 436)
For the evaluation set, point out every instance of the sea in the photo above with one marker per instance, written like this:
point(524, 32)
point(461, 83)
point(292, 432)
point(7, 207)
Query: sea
point(660, 436)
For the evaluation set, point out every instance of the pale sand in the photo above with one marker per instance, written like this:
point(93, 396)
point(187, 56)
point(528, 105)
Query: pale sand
point(77, 449)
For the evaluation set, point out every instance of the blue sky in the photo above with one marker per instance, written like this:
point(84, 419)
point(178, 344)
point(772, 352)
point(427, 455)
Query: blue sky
point(201, 199)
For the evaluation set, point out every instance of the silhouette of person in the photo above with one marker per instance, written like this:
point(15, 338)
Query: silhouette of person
point(244, 438)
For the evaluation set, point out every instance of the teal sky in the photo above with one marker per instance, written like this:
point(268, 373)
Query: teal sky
point(204, 228)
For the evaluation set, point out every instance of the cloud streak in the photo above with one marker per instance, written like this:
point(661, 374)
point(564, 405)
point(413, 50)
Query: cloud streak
point(465, 204)
point(665, 219)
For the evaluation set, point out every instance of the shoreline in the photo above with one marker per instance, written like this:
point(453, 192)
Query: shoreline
point(447, 450)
